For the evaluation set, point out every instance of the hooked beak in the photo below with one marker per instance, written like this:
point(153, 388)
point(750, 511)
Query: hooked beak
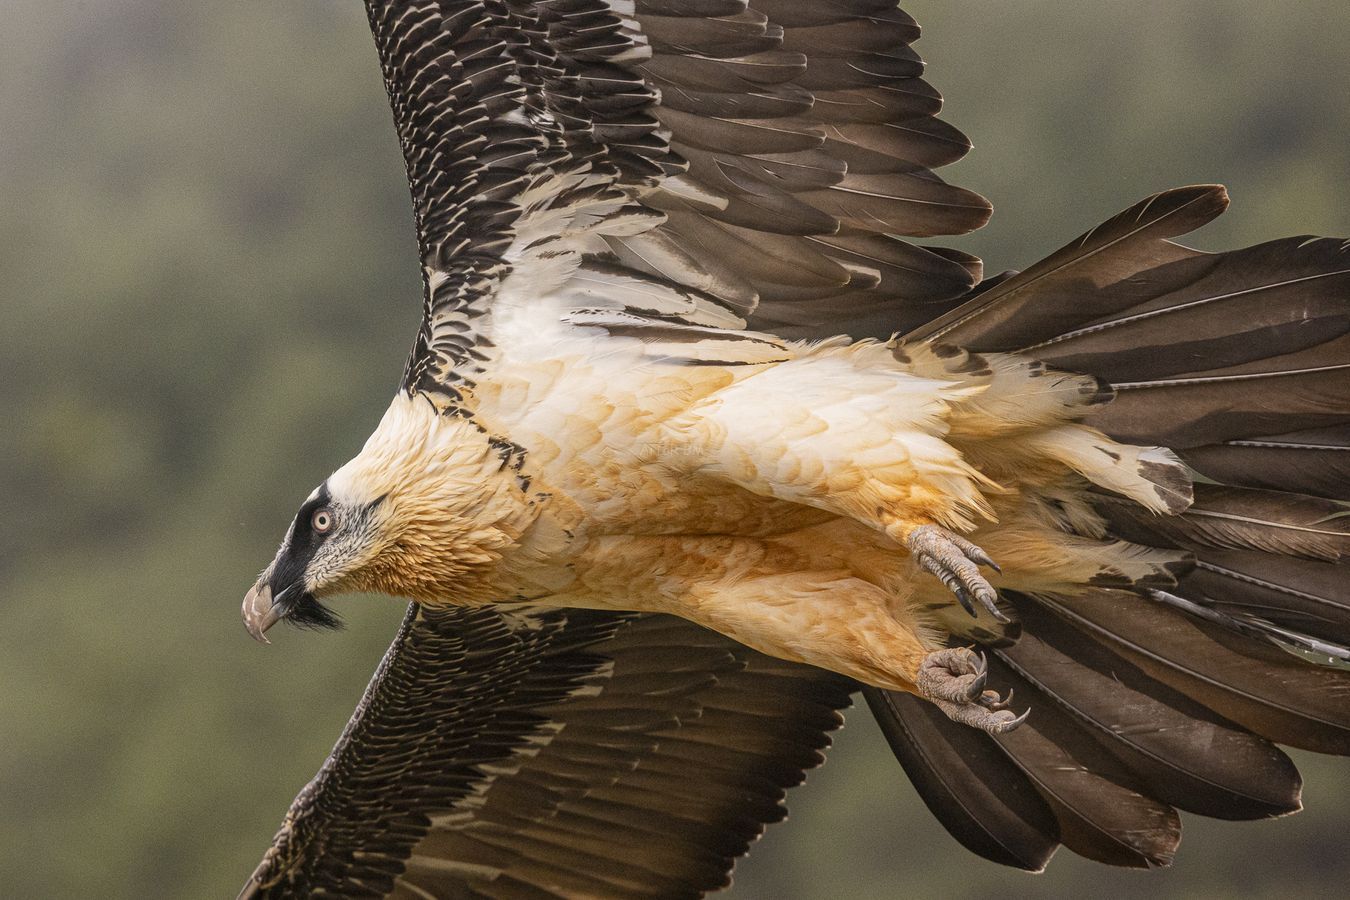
point(260, 613)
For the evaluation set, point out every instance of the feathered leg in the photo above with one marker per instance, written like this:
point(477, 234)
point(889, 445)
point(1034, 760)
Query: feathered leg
point(753, 592)
point(866, 639)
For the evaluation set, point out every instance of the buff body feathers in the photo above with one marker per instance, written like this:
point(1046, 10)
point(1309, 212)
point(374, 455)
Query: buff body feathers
point(768, 499)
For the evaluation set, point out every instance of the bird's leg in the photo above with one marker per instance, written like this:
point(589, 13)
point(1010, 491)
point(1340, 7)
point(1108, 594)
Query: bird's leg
point(826, 618)
point(955, 561)
point(954, 679)
point(761, 593)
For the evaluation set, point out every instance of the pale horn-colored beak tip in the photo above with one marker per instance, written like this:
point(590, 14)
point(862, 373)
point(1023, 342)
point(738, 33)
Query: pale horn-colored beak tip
point(259, 613)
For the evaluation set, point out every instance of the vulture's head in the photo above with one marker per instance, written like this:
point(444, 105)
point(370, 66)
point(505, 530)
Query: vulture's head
point(420, 512)
point(331, 540)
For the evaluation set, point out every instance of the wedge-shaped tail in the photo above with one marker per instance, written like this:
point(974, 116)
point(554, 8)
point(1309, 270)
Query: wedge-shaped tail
point(1149, 700)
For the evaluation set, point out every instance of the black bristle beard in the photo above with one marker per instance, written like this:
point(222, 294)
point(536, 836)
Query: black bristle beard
point(308, 612)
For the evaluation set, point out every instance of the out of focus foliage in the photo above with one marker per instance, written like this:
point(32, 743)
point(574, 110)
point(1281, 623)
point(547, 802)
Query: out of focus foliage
point(208, 283)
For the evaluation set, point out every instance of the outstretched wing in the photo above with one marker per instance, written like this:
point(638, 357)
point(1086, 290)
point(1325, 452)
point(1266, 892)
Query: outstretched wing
point(517, 752)
point(692, 163)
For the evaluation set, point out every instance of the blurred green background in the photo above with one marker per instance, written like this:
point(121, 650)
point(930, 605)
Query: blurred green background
point(209, 284)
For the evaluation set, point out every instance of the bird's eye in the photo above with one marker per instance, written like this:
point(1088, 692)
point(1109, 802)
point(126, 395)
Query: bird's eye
point(322, 520)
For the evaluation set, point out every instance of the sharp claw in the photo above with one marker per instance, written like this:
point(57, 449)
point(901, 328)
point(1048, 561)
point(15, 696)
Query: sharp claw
point(988, 602)
point(1017, 721)
point(977, 686)
point(977, 555)
point(965, 600)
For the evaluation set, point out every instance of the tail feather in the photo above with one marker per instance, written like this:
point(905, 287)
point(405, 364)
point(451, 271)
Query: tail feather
point(1285, 394)
point(1185, 754)
point(1256, 685)
point(1104, 812)
point(1309, 598)
point(1094, 276)
point(978, 794)
point(1263, 557)
point(1314, 461)
point(1260, 628)
point(1277, 298)
point(1227, 518)
point(1144, 696)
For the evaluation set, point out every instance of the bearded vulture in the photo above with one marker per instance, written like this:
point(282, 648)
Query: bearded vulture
point(693, 442)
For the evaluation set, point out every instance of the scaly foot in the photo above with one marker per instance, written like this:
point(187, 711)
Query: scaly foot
point(956, 561)
point(954, 679)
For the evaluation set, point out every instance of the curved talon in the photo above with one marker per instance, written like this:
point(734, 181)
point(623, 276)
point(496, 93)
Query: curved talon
point(989, 600)
point(984, 559)
point(990, 722)
point(976, 689)
point(990, 700)
point(976, 553)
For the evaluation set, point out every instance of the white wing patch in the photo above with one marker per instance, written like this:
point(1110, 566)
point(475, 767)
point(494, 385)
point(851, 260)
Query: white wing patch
point(564, 277)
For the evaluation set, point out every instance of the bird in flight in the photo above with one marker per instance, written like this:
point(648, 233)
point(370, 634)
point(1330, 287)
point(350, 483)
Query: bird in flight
point(693, 443)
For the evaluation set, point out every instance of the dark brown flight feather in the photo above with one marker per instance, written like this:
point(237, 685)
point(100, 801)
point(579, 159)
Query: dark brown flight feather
point(515, 751)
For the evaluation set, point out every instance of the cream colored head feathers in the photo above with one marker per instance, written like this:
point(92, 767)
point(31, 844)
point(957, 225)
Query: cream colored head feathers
point(427, 509)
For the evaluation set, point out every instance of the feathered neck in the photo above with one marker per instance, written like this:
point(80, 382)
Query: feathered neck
point(448, 511)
